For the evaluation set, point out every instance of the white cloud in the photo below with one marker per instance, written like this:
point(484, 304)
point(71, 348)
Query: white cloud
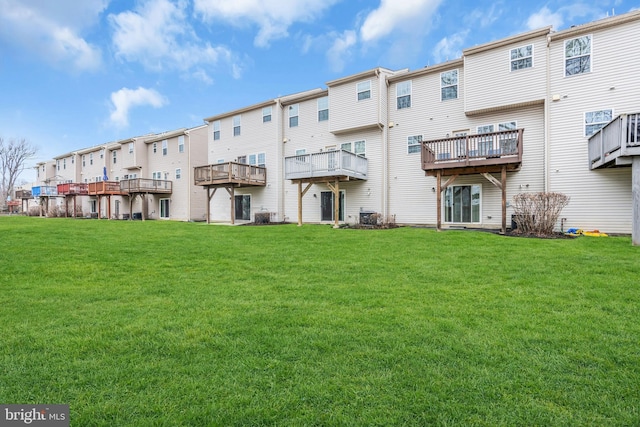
point(545, 17)
point(125, 99)
point(159, 36)
point(450, 47)
point(340, 51)
point(407, 16)
point(53, 30)
point(272, 18)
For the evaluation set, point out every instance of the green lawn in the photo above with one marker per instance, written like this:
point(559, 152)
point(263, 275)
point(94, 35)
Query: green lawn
point(163, 323)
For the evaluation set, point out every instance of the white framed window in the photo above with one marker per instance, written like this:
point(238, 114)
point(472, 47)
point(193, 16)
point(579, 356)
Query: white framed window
point(364, 90)
point(64, 163)
point(414, 143)
point(508, 142)
point(323, 109)
point(115, 157)
point(301, 152)
point(462, 204)
point(155, 147)
point(596, 120)
point(485, 144)
point(178, 173)
point(266, 114)
point(102, 153)
point(262, 159)
point(253, 159)
point(165, 147)
point(356, 147)
point(220, 161)
point(236, 125)
point(57, 164)
point(181, 144)
point(130, 147)
point(90, 158)
point(73, 160)
point(403, 95)
point(293, 115)
point(449, 85)
point(156, 175)
point(83, 161)
point(521, 57)
point(216, 130)
point(577, 56)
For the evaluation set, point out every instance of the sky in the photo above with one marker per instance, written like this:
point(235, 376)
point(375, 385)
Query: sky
point(75, 74)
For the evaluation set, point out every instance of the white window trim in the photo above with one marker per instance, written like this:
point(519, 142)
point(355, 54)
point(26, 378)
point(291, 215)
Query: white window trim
point(216, 128)
point(160, 209)
point(564, 57)
point(181, 144)
point(584, 120)
point(323, 109)
point(480, 215)
point(410, 82)
point(457, 85)
point(297, 114)
point(237, 123)
point(414, 145)
point(270, 115)
point(532, 58)
point(178, 173)
point(362, 91)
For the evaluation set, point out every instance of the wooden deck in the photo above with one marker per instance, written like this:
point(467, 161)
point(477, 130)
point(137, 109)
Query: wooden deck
point(326, 166)
point(616, 143)
point(145, 185)
point(73, 189)
point(24, 194)
point(230, 174)
point(472, 154)
point(105, 188)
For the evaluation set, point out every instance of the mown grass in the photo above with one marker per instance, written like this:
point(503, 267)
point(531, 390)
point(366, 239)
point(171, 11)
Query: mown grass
point(164, 323)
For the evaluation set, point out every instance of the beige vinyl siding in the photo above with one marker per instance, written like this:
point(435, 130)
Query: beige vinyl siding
point(490, 83)
point(600, 199)
point(347, 113)
point(255, 137)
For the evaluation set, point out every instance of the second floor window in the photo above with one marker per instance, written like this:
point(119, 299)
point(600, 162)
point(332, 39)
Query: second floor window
point(178, 173)
point(577, 56)
point(293, 115)
point(181, 144)
point(595, 120)
point(130, 147)
point(115, 157)
point(449, 85)
point(165, 147)
point(522, 57)
point(236, 125)
point(216, 130)
point(323, 109)
point(364, 90)
point(403, 95)
point(266, 114)
point(413, 144)
point(357, 147)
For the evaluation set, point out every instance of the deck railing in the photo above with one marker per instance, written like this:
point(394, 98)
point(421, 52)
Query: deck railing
point(146, 185)
point(326, 164)
point(23, 194)
point(619, 137)
point(44, 190)
point(230, 173)
point(473, 150)
point(73, 188)
point(104, 187)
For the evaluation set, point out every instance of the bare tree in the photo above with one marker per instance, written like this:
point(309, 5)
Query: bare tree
point(13, 155)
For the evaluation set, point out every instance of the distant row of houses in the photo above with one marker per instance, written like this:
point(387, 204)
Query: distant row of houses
point(446, 145)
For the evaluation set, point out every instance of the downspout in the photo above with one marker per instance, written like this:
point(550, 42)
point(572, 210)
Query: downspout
point(545, 160)
point(281, 180)
point(188, 135)
point(385, 143)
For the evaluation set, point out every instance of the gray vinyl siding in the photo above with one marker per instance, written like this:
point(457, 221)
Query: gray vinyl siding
point(600, 199)
point(490, 83)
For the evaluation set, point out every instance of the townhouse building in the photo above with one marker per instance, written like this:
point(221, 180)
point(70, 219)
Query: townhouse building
point(448, 145)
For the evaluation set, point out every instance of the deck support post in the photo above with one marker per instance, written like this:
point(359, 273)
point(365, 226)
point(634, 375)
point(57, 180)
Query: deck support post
point(108, 206)
point(335, 189)
point(301, 194)
point(438, 200)
point(635, 188)
point(232, 192)
point(503, 179)
point(209, 197)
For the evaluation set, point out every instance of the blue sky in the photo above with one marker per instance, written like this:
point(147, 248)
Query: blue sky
point(74, 74)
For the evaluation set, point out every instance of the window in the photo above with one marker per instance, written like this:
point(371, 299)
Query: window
point(357, 147)
point(266, 114)
point(403, 95)
point(327, 207)
point(155, 147)
point(508, 141)
point(64, 163)
point(130, 147)
point(522, 57)
point(102, 154)
point(577, 56)
point(178, 173)
point(293, 115)
point(252, 159)
point(73, 160)
point(165, 147)
point(236, 125)
point(57, 164)
point(156, 175)
point(90, 158)
point(181, 144)
point(323, 109)
point(301, 152)
point(595, 120)
point(216, 130)
point(364, 90)
point(413, 144)
point(262, 159)
point(243, 207)
point(115, 157)
point(462, 204)
point(449, 85)
point(164, 208)
point(83, 161)
point(485, 144)
point(220, 161)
